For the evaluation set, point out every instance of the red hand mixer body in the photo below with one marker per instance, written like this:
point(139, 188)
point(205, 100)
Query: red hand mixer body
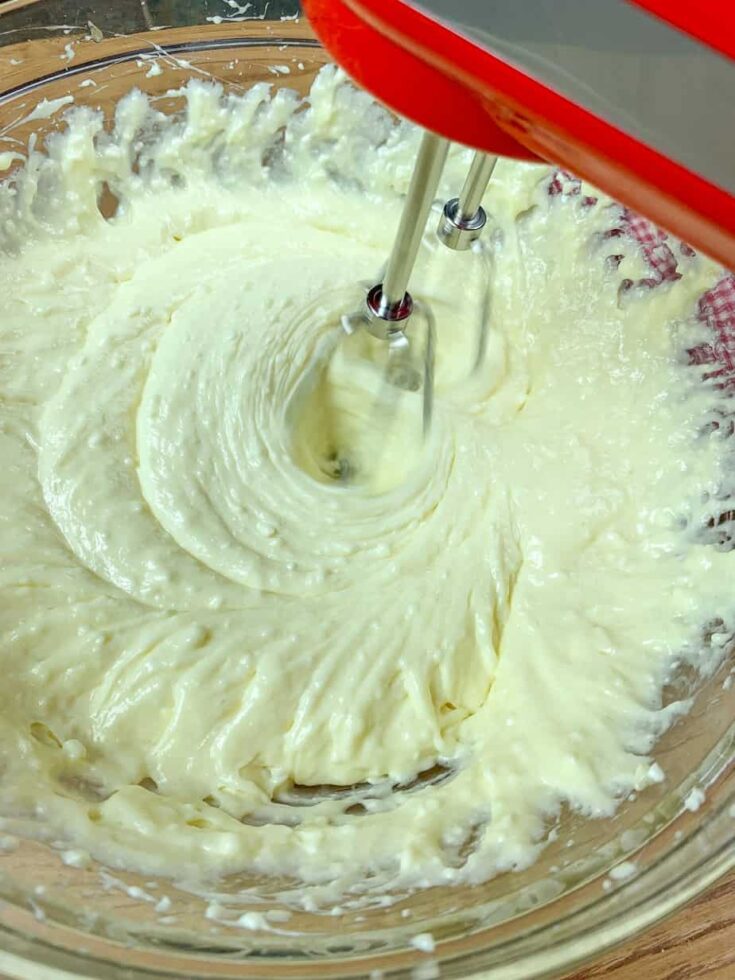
point(636, 97)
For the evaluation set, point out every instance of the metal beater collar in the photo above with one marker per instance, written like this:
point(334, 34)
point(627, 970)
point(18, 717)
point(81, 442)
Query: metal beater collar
point(457, 231)
point(385, 320)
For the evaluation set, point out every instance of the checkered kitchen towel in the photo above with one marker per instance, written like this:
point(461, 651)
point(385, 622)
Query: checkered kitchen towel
point(716, 308)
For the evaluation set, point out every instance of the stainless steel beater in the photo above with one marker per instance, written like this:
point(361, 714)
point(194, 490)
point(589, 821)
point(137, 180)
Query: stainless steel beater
point(389, 307)
point(464, 217)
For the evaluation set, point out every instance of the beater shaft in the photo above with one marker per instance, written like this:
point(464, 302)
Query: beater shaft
point(421, 193)
point(463, 217)
point(389, 303)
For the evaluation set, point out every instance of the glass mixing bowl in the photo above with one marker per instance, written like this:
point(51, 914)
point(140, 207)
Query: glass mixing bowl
point(596, 884)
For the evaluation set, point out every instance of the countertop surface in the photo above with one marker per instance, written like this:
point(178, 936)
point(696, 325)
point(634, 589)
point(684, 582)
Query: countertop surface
point(699, 941)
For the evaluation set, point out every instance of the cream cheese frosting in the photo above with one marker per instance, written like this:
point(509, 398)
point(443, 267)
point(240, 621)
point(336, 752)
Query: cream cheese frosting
point(217, 659)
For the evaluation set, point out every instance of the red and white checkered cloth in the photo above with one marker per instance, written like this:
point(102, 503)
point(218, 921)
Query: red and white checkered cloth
point(716, 308)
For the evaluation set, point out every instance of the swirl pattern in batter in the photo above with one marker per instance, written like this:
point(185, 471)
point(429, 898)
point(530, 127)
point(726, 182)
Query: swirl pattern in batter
point(216, 658)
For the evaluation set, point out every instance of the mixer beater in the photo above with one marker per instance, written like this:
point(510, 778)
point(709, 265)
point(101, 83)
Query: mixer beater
point(389, 308)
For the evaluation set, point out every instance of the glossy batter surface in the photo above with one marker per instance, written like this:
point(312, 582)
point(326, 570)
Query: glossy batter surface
point(218, 659)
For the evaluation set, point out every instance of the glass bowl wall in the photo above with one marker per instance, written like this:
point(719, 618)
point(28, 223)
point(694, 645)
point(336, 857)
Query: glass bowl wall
point(540, 922)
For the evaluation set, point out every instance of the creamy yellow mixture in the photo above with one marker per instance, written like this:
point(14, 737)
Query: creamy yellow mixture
point(218, 659)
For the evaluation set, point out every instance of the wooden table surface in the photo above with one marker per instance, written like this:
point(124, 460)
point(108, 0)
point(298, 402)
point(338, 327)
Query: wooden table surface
point(697, 942)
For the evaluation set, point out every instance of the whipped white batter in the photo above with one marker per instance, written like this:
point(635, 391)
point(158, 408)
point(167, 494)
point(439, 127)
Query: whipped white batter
point(215, 659)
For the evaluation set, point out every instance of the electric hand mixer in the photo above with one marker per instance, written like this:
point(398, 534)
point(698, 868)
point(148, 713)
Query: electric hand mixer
point(636, 96)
